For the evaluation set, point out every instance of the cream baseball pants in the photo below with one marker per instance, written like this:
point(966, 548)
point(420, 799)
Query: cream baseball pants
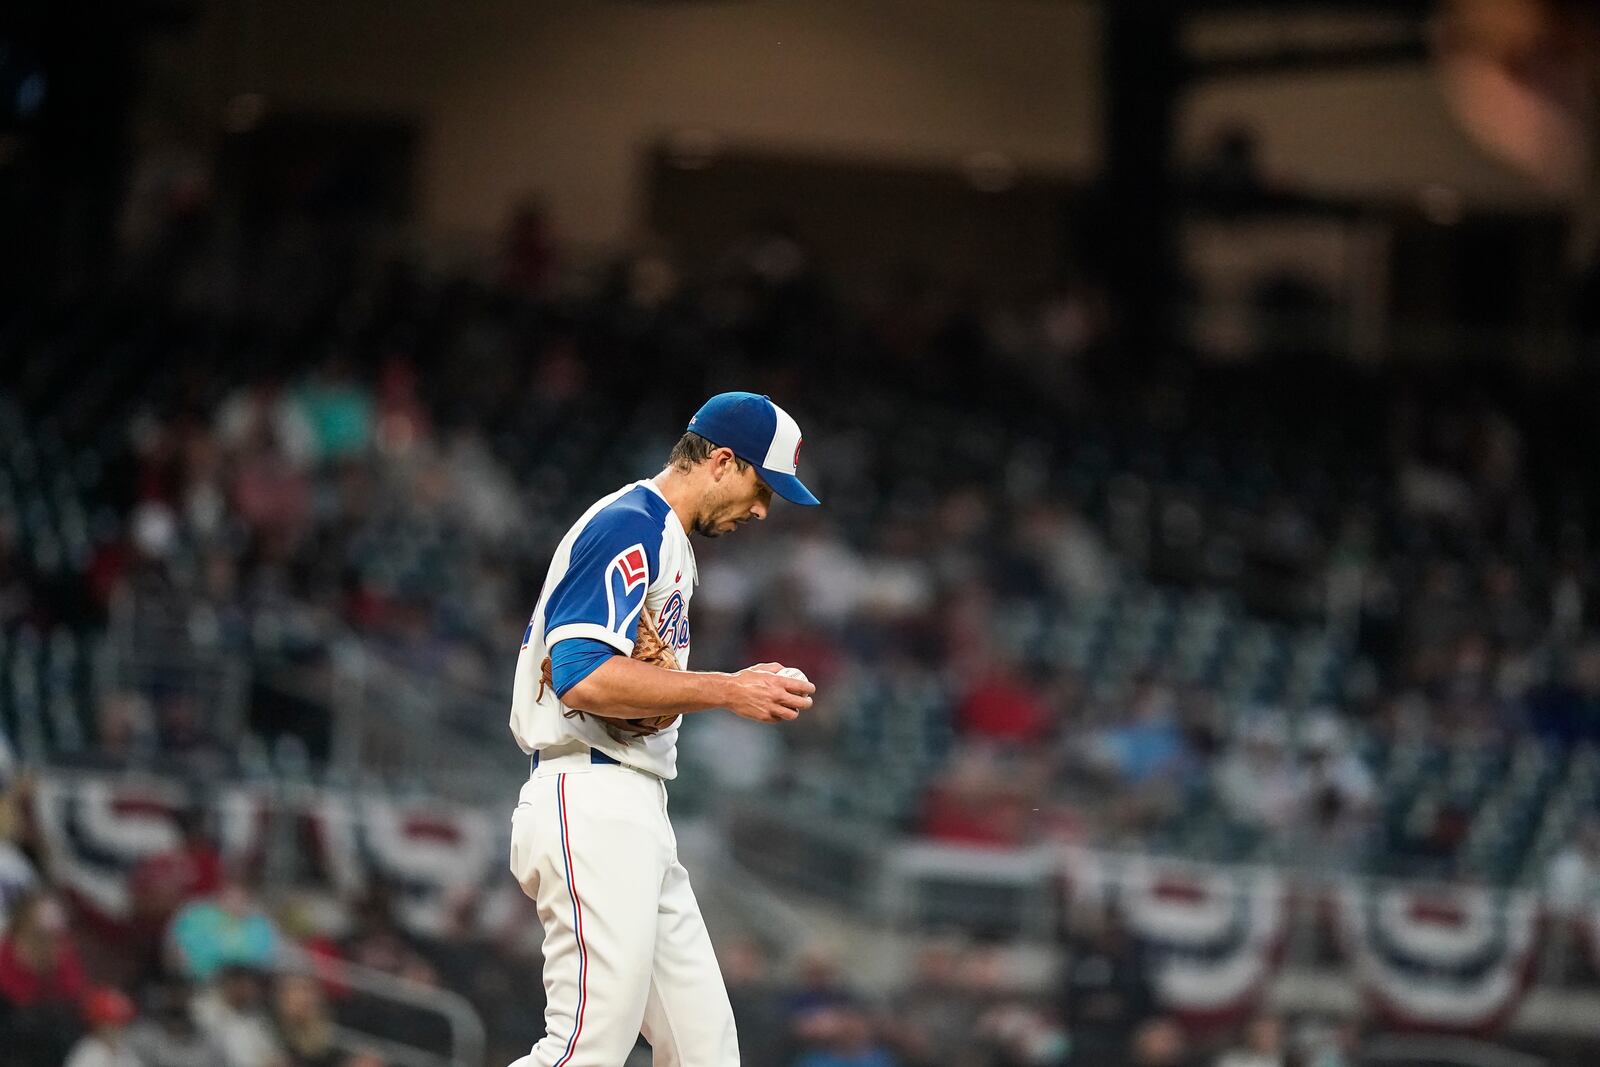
point(625, 947)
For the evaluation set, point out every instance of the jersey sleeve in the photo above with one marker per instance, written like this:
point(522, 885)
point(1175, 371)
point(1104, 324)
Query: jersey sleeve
point(603, 590)
point(573, 660)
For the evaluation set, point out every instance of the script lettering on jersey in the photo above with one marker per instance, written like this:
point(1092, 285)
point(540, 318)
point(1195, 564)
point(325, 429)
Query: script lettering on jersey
point(673, 623)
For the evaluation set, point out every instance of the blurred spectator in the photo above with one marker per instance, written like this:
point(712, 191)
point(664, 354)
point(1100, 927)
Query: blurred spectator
point(38, 964)
point(338, 409)
point(1262, 1045)
point(377, 939)
point(486, 964)
point(16, 586)
point(167, 1036)
point(1321, 1044)
point(1023, 1036)
point(935, 1018)
point(980, 800)
point(819, 986)
point(228, 929)
point(188, 742)
point(270, 494)
point(1071, 552)
point(1145, 744)
point(1341, 792)
point(18, 879)
point(402, 420)
point(192, 868)
point(160, 883)
point(841, 1036)
point(459, 951)
point(8, 764)
point(230, 1014)
point(125, 732)
point(1258, 783)
point(1572, 880)
point(107, 1013)
point(1107, 991)
point(305, 1026)
point(1160, 1042)
point(1001, 706)
point(42, 984)
point(264, 413)
point(1568, 711)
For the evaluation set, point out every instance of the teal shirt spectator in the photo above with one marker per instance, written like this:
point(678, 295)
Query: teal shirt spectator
point(340, 414)
point(212, 934)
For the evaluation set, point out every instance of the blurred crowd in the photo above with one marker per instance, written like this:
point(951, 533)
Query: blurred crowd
point(392, 454)
point(295, 443)
point(960, 1006)
point(210, 969)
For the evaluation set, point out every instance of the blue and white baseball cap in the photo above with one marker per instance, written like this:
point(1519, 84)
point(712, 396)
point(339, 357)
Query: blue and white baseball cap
point(760, 433)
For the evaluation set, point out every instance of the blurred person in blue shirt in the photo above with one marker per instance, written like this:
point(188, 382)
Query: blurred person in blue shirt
point(229, 928)
point(1150, 744)
point(844, 1038)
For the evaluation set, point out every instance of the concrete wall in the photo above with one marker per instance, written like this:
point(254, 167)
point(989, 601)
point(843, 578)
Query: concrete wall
point(563, 96)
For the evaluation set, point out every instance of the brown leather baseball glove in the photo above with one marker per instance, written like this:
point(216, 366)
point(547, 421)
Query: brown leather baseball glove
point(647, 648)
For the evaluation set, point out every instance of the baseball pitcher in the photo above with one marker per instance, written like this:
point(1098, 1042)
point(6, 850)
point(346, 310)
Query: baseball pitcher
point(602, 684)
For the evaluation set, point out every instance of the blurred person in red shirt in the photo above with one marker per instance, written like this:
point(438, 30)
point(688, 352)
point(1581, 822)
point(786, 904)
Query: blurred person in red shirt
point(193, 868)
point(38, 964)
point(41, 985)
point(982, 800)
point(271, 494)
point(1003, 706)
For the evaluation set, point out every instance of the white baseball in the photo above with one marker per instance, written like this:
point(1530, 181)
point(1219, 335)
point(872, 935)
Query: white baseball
point(794, 672)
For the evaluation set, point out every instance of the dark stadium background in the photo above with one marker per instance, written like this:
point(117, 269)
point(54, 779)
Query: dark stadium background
point(1203, 396)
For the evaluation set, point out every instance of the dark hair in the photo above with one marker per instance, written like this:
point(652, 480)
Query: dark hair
point(693, 449)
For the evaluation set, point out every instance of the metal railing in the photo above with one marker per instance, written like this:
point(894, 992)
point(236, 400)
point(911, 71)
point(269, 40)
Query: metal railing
point(418, 731)
point(467, 1036)
point(390, 723)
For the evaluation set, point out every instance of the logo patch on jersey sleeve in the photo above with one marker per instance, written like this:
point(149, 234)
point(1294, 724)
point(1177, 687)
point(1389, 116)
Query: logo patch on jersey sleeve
point(627, 577)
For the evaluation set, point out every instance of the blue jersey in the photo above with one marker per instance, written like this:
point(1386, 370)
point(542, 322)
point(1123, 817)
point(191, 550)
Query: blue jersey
point(627, 552)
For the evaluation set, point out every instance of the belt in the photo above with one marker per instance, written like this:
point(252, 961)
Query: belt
point(595, 756)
